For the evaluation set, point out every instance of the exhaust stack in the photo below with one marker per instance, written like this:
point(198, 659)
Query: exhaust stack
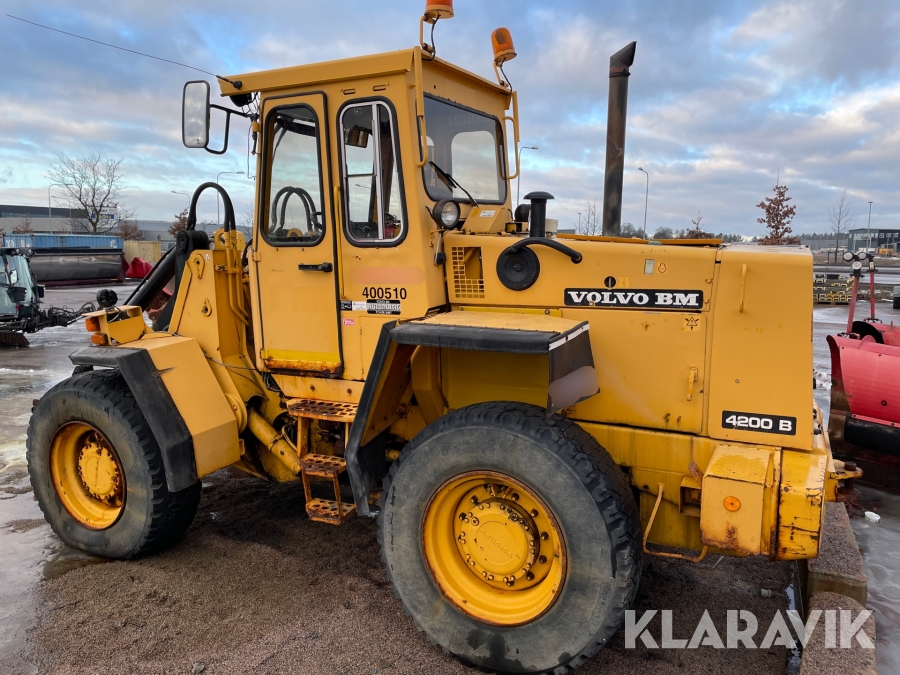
point(619, 63)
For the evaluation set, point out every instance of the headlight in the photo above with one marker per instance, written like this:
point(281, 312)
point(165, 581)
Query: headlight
point(862, 255)
point(856, 265)
point(446, 214)
point(848, 256)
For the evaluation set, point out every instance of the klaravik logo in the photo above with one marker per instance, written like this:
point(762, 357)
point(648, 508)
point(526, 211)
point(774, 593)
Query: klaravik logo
point(742, 630)
point(649, 298)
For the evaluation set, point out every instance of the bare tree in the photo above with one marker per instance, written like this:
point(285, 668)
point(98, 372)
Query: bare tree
point(629, 231)
point(697, 232)
point(93, 185)
point(24, 227)
point(663, 233)
point(841, 221)
point(245, 222)
point(129, 231)
point(591, 220)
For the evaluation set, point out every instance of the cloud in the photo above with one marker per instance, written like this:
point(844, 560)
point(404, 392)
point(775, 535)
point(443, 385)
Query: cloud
point(724, 95)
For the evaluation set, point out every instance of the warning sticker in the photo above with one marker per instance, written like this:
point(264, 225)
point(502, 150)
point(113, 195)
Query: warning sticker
point(692, 324)
point(487, 214)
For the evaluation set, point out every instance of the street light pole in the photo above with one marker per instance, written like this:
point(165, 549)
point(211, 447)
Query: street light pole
point(646, 198)
point(869, 230)
point(218, 196)
point(579, 223)
point(519, 166)
point(50, 210)
point(175, 192)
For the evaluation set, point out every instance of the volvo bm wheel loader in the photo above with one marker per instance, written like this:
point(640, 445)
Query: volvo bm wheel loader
point(526, 413)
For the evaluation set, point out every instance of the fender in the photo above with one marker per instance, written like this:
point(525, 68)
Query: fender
point(566, 343)
point(178, 394)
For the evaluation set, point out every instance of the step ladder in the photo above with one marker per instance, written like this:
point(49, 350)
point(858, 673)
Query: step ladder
point(333, 512)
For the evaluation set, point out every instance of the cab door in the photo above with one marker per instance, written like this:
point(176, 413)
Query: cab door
point(294, 241)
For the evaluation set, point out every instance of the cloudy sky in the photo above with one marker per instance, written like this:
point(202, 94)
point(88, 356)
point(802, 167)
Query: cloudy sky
point(724, 95)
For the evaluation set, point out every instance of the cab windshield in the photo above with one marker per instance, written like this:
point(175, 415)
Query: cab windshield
point(469, 146)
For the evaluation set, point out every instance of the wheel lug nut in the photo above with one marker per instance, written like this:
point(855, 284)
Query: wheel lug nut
point(542, 559)
point(462, 516)
point(530, 576)
point(544, 536)
point(515, 496)
point(534, 513)
point(474, 499)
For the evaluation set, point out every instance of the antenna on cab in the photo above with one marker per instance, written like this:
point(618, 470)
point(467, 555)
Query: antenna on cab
point(434, 11)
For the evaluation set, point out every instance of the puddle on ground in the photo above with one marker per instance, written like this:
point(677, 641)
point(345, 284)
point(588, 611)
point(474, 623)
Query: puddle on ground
point(29, 553)
point(792, 591)
point(878, 543)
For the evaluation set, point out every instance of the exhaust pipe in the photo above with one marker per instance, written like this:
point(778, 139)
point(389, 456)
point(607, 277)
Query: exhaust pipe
point(619, 63)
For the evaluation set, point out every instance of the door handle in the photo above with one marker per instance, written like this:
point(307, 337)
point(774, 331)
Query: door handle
point(321, 267)
point(692, 377)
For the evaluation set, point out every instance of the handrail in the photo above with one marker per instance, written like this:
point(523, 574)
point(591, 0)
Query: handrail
point(543, 241)
point(420, 107)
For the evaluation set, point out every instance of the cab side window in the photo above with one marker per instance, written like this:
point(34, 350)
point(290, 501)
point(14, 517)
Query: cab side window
point(372, 203)
point(294, 205)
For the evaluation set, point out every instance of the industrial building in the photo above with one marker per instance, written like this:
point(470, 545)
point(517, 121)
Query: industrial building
point(862, 238)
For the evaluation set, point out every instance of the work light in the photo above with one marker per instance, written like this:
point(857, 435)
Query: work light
point(446, 214)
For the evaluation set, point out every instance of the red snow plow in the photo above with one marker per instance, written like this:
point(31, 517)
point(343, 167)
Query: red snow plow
point(864, 421)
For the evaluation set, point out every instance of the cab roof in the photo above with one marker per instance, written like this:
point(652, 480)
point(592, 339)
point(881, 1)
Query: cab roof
point(388, 63)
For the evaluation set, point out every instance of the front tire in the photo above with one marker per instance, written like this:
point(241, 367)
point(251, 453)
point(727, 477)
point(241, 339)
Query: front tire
point(512, 540)
point(97, 471)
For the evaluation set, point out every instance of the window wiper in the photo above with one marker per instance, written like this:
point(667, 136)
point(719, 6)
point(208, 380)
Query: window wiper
point(450, 181)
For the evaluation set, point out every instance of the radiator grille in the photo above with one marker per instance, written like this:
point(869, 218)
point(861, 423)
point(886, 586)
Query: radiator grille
point(468, 278)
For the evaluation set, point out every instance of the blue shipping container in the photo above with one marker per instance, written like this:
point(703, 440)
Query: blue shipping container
point(62, 240)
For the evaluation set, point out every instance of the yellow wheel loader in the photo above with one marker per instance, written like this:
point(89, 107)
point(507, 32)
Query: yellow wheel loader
point(526, 413)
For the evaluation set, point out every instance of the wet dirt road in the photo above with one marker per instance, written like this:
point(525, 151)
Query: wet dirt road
point(255, 587)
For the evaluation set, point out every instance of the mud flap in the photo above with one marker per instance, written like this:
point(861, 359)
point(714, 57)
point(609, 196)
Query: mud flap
point(571, 376)
point(190, 418)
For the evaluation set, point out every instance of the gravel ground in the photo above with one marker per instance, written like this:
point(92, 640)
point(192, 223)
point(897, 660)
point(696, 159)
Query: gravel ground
point(255, 587)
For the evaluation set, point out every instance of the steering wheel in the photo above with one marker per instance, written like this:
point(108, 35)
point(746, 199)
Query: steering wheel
point(308, 206)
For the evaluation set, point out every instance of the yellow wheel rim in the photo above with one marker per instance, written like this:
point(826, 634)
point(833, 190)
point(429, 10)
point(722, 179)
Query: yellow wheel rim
point(494, 548)
point(87, 475)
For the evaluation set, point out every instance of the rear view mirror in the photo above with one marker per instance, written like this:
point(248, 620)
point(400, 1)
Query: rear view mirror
point(195, 114)
point(357, 137)
point(13, 277)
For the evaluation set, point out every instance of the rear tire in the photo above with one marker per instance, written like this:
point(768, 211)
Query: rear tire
point(96, 410)
point(592, 509)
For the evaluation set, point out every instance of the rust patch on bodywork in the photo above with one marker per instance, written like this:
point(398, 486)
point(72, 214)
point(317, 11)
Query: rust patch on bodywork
point(313, 368)
point(728, 543)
